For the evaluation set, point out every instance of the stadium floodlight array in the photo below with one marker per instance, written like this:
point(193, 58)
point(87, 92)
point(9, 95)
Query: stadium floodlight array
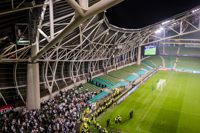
point(167, 22)
point(159, 30)
point(195, 10)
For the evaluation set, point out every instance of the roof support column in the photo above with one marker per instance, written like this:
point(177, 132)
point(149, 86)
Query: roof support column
point(139, 55)
point(33, 82)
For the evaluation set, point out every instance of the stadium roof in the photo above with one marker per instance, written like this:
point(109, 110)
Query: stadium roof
point(70, 41)
point(140, 13)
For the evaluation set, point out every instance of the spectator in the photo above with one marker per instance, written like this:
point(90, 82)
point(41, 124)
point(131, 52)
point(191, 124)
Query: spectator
point(59, 114)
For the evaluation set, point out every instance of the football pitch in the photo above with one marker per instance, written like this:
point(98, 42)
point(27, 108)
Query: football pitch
point(175, 109)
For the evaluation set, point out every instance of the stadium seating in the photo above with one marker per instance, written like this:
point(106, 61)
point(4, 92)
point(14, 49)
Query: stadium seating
point(127, 74)
point(132, 68)
point(132, 77)
point(141, 72)
point(148, 68)
point(105, 80)
point(189, 51)
point(120, 84)
point(99, 82)
point(188, 63)
point(149, 64)
point(110, 79)
point(90, 87)
point(120, 74)
point(179, 50)
point(98, 96)
point(171, 50)
point(169, 61)
point(153, 61)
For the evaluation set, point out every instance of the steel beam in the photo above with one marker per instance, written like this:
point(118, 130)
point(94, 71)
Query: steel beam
point(95, 9)
point(76, 7)
point(20, 9)
point(51, 18)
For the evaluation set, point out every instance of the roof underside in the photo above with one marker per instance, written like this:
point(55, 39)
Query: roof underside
point(95, 35)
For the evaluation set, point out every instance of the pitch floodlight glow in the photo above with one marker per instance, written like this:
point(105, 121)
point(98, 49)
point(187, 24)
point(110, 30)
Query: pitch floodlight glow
point(167, 22)
point(195, 10)
point(161, 28)
point(174, 23)
point(158, 31)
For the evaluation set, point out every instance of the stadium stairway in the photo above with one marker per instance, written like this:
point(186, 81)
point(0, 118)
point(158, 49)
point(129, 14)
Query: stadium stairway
point(169, 61)
point(163, 61)
point(178, 51)
point(175, 62)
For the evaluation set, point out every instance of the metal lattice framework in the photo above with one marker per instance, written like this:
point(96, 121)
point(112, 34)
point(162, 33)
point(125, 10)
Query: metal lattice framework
point(74, 43)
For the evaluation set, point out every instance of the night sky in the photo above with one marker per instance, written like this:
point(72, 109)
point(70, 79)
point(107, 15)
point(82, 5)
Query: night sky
point(140, 13)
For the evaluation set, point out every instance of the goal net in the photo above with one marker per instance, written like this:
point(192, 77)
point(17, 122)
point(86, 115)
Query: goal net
point(161, 84)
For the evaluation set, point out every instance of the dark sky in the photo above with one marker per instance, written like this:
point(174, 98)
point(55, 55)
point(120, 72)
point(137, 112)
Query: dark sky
point(140, 13)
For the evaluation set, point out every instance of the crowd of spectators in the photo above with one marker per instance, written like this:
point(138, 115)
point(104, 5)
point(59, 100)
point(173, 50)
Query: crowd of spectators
point(91, 120)
point(57, 115)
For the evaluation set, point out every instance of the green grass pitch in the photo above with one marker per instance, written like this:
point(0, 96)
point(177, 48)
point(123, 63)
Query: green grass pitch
point(175, 109)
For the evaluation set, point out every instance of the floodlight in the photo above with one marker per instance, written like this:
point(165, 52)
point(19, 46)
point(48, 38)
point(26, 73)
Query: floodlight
point(158, 31)
point(167, 22)
point(195, 10)
point(107, 32)
point(174, 23)
point(161, 28)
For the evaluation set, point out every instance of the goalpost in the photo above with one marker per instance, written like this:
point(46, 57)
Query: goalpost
point(161, 84)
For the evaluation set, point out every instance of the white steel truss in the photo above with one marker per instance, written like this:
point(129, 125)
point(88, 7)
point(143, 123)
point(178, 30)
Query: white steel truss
point(80, 42)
